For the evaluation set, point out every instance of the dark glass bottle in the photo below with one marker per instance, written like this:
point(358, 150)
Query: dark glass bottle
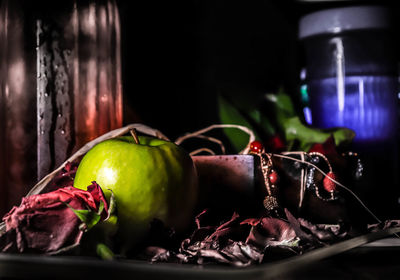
point(60, 85)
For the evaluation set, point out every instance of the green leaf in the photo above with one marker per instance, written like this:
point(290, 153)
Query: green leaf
point(343, 136)
point(266, 124)
point(104, 252)
point(295, 130)
point(262, 123)
point(112, 204)
point(280, 115)
point(110, 225)
point(88, 217)
point(228, 114)
point(283, 105)
point(101, 208)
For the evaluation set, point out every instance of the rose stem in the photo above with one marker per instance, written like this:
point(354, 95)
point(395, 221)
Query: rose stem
point(134, 135)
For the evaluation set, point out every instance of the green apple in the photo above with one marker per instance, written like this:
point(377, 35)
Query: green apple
point(150, 179)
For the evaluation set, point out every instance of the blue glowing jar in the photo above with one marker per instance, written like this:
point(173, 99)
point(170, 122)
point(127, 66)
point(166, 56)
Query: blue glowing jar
point(351, 81)
point(352, 72)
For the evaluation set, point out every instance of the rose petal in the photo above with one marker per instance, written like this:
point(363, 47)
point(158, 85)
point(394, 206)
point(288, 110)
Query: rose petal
point(44, 223)
point(98, 195)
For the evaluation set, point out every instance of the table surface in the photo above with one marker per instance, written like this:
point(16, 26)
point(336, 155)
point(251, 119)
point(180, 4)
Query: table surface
point(376, 260)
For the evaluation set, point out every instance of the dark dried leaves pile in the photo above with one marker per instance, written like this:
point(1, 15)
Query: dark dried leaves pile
point(242, 241)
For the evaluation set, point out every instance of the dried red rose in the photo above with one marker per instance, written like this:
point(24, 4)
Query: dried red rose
point(46, 223)
point(64, 178)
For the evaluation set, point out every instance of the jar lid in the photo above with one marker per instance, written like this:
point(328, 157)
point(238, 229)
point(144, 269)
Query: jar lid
point(332, 21)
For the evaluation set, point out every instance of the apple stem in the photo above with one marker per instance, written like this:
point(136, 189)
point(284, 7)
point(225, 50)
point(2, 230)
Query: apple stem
point(134, 135)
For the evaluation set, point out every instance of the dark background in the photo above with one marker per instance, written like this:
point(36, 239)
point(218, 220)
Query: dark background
point(177, 55)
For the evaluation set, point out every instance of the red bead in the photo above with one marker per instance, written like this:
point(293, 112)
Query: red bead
point(256, 147)
point(273, 177)
point(328, 184)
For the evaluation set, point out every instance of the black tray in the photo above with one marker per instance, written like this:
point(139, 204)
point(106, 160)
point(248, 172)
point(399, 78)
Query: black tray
point(377, 260)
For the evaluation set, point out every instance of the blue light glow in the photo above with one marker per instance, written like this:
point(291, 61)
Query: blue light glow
point(366, 104)
point(307, 115)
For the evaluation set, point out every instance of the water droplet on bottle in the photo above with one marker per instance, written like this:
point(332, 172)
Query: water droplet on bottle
point(42, 132)
point(46, 94)
point(62, 131)
point(59, 115)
